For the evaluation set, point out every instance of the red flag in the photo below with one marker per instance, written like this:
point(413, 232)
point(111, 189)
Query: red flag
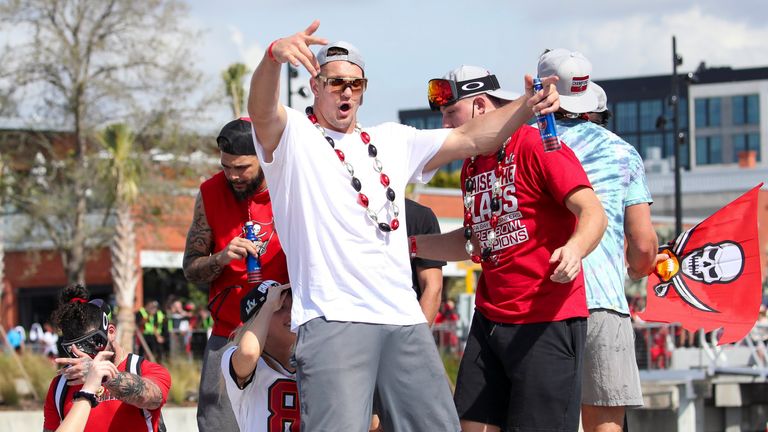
point(713, 278)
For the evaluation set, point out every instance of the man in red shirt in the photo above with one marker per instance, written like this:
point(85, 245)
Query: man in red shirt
point(531, 216)
point(131, 400)
point(215, 254)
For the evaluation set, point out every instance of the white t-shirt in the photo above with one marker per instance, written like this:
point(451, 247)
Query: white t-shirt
point(341, 266)
point(267, 402)
point(49, 342)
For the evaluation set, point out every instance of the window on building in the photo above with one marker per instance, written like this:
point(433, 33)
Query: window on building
point(744, 142)
point(649, 142)
point(707, 112)
point(416, 122)
point(753, 109)
point(650, 110)
point(685, 156)
point(709, 150)
point(669, 151)
point(434, 122)
point(683, 114)
point(746, 109)
point(626, 117)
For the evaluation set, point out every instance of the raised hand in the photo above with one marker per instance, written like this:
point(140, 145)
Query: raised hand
point(275, 296)
point(295, 50)
point(102, 369)
point(546, 101)
point(75, 369)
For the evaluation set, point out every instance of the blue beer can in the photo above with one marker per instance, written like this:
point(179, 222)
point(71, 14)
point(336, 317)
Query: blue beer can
point(252, 263)
point(546, 123)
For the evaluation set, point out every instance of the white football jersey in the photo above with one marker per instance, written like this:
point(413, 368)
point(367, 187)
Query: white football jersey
point(267, 402)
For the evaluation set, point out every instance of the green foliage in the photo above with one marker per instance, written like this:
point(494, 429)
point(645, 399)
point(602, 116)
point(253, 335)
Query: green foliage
point(185, 380)
point(197, 296)
point(39, 369)
point(446, 179)
point(451, 363)
point(123, 169)
point(85, 64)
point(8, 371)
point(455, 287)
point(233, 77)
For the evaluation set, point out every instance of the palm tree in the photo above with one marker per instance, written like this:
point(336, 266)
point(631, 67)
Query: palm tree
point(124, 168)
point(233, 77)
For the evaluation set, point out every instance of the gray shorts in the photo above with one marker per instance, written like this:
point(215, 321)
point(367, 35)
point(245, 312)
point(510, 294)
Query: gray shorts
point(340, 364)
point(214, 412)
point(610, 375)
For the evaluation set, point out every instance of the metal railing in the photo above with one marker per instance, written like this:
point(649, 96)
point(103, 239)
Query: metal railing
point(668, 346)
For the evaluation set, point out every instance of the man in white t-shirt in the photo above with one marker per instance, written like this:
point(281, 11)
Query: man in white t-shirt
point(337, 197)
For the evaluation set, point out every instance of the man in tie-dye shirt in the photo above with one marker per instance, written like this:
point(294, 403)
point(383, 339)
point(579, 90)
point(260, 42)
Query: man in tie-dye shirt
point(611, 380)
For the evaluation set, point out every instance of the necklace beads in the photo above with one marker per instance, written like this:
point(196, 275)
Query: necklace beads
point(373, 152)
point(486, 247)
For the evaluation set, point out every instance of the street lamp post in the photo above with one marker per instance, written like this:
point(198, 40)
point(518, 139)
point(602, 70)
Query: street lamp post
point(678, 137)
point(302, 91)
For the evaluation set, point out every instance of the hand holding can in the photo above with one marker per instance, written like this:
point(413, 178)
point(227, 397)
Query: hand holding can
point(546, 123)
point(252, 262)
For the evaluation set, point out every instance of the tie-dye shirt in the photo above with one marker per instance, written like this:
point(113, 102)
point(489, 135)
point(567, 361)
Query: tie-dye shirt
point(616, 172)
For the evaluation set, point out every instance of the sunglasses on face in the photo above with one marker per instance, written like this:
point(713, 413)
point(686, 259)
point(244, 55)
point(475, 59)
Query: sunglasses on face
point(95, 341)
point(442, 92)
point(90, 343)
point(341, 83)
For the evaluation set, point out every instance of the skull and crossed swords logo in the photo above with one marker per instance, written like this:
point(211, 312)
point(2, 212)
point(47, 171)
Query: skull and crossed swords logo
point(713, 263)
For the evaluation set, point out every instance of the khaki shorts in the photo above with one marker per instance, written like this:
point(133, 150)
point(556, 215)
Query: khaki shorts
point(610, 375)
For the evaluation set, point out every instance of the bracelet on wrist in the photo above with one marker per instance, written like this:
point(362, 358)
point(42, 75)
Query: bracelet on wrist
point(269, 51)
point(90, 397)
point(412, 245)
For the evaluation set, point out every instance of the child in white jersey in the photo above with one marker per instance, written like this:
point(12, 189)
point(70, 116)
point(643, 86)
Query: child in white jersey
point(259, 379)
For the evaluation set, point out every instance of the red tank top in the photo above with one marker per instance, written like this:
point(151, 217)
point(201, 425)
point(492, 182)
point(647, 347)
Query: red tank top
point(226, 217)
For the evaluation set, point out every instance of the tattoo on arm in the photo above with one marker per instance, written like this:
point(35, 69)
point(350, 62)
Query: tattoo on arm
point(199, 264)
point(135, 390)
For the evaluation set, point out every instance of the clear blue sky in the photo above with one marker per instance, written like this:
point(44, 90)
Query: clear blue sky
point(407, 42)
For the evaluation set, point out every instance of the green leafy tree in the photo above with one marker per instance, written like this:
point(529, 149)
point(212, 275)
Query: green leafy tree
point(446, 179)
point(84, 64)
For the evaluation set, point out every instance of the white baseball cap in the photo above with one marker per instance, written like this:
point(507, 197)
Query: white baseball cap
point(573, 69)
point(602, 98)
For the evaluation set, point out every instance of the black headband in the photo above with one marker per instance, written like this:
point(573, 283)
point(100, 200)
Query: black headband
point(476, 85)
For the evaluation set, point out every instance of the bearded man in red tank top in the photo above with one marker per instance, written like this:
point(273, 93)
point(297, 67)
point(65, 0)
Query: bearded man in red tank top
point(216, 250)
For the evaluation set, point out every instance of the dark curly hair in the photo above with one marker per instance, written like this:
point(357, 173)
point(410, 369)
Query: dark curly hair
point(75, 318)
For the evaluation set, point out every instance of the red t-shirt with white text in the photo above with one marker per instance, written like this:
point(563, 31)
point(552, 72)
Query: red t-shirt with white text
point(112, 415)
point(534, 222)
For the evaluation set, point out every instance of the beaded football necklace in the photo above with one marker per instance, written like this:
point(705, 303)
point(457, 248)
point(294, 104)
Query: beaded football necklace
point(486, 247)
point(377, 166)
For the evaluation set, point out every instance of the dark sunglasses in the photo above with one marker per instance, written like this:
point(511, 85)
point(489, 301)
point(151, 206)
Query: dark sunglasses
point(340, 84)
point(442, 92)
point(90, 343)
point(95, 341)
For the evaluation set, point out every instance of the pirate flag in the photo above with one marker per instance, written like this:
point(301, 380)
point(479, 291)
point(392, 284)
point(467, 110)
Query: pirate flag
point(712, 278)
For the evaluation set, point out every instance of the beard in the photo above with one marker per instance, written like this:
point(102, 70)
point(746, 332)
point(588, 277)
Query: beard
point(251, 187)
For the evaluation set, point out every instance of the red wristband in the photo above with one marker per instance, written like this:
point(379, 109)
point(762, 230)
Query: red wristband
point(269, 51)
point(412, 242)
